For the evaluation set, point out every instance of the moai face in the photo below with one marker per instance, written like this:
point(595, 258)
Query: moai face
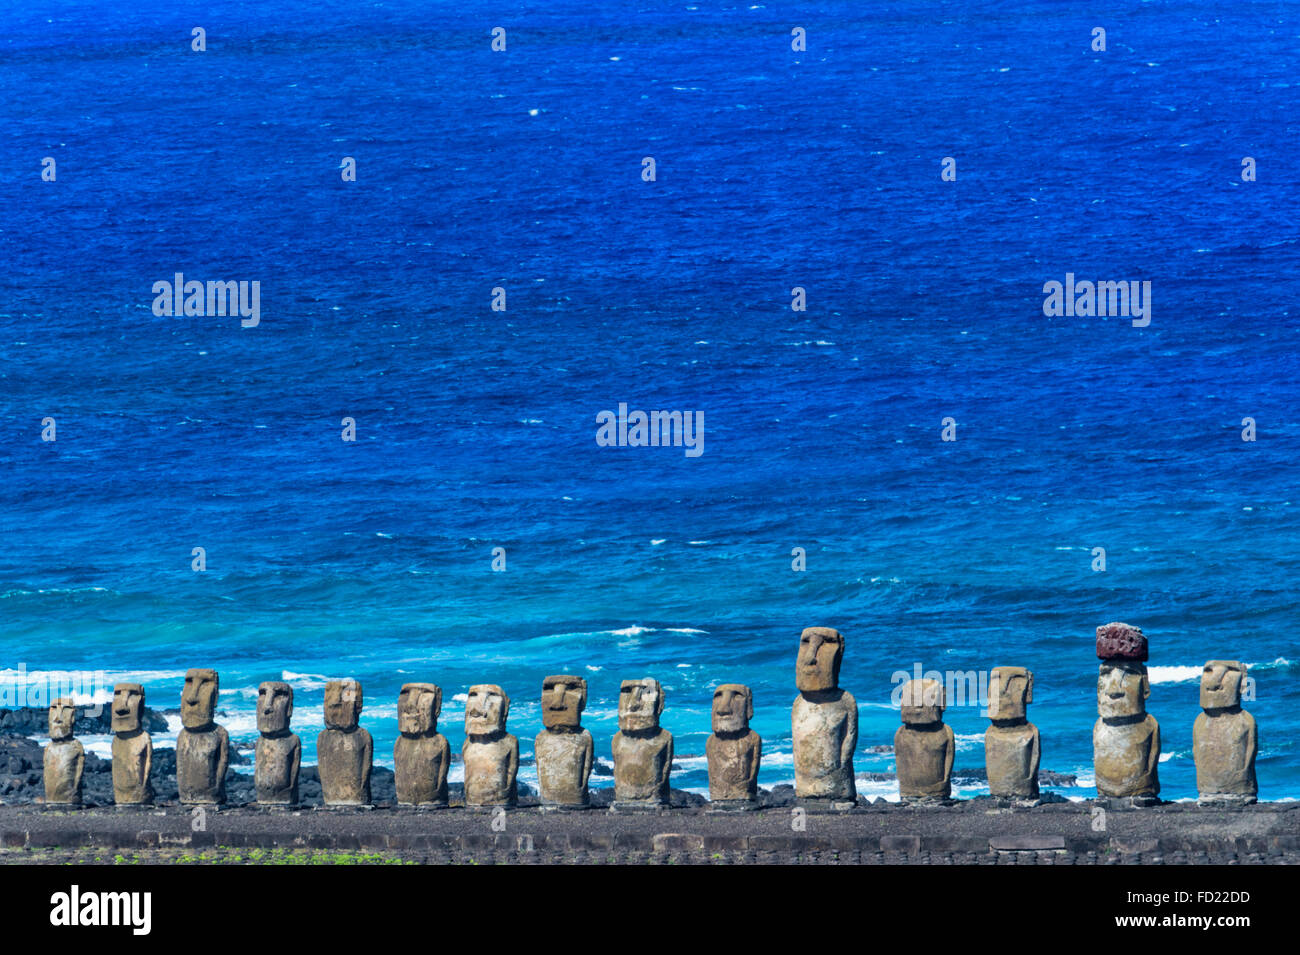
point(1122, 688)
point(639, 704)
point(199, 699)
point(923, 702)
point(128, 703)
point(1011, 689)
point(563, 700)
point(342, 704)
point(418, 706)
point(486, 710)
point(274, 708)
point(63, 717)
point(733, 708)
point(1221, 684)
point(818, 665)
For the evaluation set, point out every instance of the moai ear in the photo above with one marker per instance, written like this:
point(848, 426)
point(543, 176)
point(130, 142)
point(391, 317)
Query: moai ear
point(582, 702)
point(437, 701)
point(505, 705)
point(749, 705)
point(1029, 690)
point(1146, 687)
point(659, 698)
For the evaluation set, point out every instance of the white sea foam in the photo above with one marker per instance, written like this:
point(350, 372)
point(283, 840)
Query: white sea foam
point(1174, 674)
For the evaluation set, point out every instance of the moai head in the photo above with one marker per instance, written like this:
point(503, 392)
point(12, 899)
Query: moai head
point(1221, 684)
point(63, 718)
point(342, 704)
point(1011, 689)
point(486, 710)
point(733, 708)
point(128, 705)
point(1122, 688)
point(418, 706)
point(639, 704)
point(199, 699)
point(818, 666)
point(923, 702)
point(274, 708)
point(563, 700)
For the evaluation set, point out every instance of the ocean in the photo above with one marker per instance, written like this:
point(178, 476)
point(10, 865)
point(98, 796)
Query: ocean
point(475, 428)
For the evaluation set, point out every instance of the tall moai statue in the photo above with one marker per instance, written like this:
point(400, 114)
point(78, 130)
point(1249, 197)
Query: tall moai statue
point(924, 745)
point(65, 757)
point(824, 723)
point(279, 751)
point(733, 750)
point(564, 750)
point(202, 746)
point(1011, 744)
point(1224, 738)
point(421, 755)
point(344, 749)
point(132, 747)
point(1125, 739)
point(643, 750)
point(490, 754)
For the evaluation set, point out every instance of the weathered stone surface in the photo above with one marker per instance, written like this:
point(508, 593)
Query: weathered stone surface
point(421, 755)
point(643, 751)
point(1011, 744)
point(491, 755)
point(344, 750)
point(279, 752)
point(1225, 739)
point(924, 745)
point(132, 747)
point(564, 750)
point(823, 720)
point(202, 747)
point(64, 758)
point(1125, 739)
point(734, 750)
point(1119, 641)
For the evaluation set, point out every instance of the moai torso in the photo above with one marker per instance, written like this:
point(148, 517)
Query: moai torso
point(64, 758)
point(924, 745)
point(564, 750)
point(1225, 739)
point(276, 769)
point(823, 721)
point(279, 752)
point(1125, 739)
point(1011, 743)
point(64, 762)
point(132, 747)
point(202, 747)
point(734, 751)
point(490, 754)
point(421, 755)
point(643, 750)
point(344, 750)
point(1126, 756)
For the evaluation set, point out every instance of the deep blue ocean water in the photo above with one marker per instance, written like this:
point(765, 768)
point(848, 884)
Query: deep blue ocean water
point(476, 428)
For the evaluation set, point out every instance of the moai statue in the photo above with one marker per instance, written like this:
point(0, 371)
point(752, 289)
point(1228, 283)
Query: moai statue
point(344, 750)
point(1011, 745)
point(490, 754)
point(278, 751)
point(421, 755)
point(643, 751)
point(924, 745)
point(1224, 738)
point(563, 748)
point(1125, 739)
point(734, 750)
point(65, 757)
point(202, 747)
point(132, 747)
point(824, 723)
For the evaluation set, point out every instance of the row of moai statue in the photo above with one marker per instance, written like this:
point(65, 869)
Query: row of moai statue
point(824, 720)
